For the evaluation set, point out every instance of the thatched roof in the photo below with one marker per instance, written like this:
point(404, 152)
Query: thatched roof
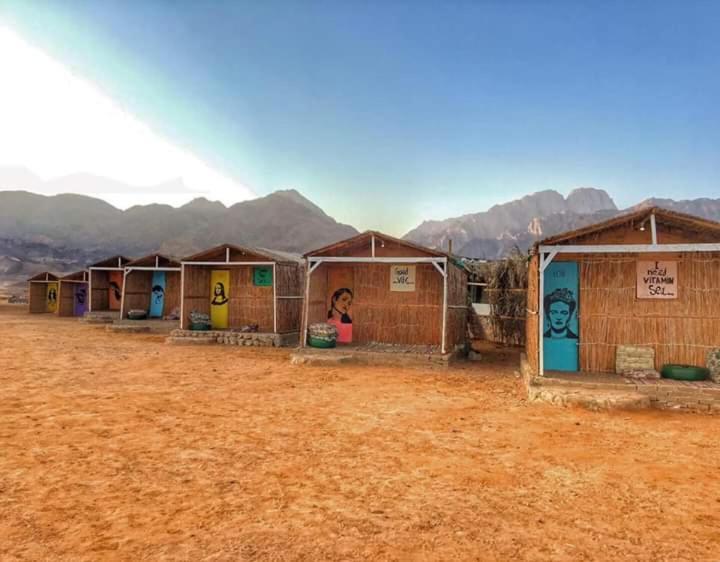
point(662, 216)
point(44, 276)
point(114, 262)
point(154, 260)
point(241, 253)
point(81, 276)
point(364, 240)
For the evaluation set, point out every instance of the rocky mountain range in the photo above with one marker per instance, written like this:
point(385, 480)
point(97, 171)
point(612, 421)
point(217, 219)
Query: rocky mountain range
point(493, 233)
point(63, 233)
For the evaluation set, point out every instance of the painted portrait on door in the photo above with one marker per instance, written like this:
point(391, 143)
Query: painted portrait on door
point(560, 324)
point(80, 299)
point(219, 298)
point(115, 290)
point(340, 313)
point(52, 296)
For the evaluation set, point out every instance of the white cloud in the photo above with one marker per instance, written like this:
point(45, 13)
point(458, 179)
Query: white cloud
point(56, 124)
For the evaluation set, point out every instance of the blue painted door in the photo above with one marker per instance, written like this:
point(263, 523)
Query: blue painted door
point(157, 295)
point(561, 334)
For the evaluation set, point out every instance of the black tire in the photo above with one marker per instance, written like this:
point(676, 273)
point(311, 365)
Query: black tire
point(137, 315)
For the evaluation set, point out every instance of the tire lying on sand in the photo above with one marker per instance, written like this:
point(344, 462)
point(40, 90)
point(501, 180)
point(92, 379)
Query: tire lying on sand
point(322, 335)
point(137, 315)
point(684, 372)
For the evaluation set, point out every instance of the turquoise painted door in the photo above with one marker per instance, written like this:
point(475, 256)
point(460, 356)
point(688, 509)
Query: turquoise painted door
point(157, 295)
point(561, 334)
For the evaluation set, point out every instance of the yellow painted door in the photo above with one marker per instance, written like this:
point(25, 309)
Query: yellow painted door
point(52, 297)
point(219, 298)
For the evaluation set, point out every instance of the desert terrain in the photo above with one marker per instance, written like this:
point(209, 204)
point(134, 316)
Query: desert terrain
point(121, 447)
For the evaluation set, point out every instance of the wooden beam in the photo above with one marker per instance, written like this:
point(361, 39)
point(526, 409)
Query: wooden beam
point(376, 260)
point(629, 248)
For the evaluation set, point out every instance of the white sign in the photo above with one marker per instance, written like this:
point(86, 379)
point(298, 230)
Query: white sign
point(402, 278)
point(657, 280)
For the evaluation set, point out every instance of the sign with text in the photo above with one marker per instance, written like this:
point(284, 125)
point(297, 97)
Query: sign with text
point(657, 280)
point(402, 278)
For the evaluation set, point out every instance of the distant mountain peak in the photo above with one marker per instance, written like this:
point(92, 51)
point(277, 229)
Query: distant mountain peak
point(492, 233)
point(204, 204)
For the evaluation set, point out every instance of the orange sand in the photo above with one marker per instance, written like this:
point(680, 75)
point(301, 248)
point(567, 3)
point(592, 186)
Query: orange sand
point(120, 447)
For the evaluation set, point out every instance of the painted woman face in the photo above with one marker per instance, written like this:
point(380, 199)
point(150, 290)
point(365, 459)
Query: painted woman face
point(219, 289)
point(342, 304)
point(559, 316)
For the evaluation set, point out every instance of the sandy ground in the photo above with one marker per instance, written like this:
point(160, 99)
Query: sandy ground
point(120, 447)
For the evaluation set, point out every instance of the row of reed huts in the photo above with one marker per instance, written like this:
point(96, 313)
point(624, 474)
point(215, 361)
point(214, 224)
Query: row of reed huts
point(648, 278)
point(376, 288)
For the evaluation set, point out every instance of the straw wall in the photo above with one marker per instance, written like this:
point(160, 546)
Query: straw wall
point(531, 319)
point(248, 304)
point(381, 315)
point(682, 330)
point(196, 291)
point(37, 297)
point(317, 304)
point(100, 296)
point(66, 298)
point(138, 286)
point(457, 314)
point(289, 283)
point(138, 290)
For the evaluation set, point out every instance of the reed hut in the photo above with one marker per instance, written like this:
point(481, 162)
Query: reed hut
point(152, 284)
point(379, 289)
point(73, 294)
point(241, 287)
point(646, 278)
point(43, 293)
point(106, 283)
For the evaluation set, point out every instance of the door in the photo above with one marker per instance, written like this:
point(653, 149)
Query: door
point(560, 325)
point(157, 295)
point(219, 298)
point(80, 296)
point(115, 290)
point(51, 302)
point(339, 301)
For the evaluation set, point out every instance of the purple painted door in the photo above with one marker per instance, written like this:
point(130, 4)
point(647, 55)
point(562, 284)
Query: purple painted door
point(80, 297)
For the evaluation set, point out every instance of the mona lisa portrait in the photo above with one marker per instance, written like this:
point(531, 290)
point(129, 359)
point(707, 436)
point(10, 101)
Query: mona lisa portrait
point(219, 297)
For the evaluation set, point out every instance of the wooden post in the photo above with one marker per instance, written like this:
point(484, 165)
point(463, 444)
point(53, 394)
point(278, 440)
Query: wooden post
point(445, 295)
point(90, 291)
point(182, 296)
point(308, 272)
point(274, 281)
point(122, 295)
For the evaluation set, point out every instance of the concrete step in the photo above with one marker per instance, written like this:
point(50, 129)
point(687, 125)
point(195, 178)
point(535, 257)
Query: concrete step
point(590, 399)
point(127, 329)
point(179, 340)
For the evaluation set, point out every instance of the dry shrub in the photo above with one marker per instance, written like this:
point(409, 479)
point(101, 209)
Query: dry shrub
point(507, 294)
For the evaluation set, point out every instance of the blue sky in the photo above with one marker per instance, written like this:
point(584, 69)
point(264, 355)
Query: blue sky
point(387, 113)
